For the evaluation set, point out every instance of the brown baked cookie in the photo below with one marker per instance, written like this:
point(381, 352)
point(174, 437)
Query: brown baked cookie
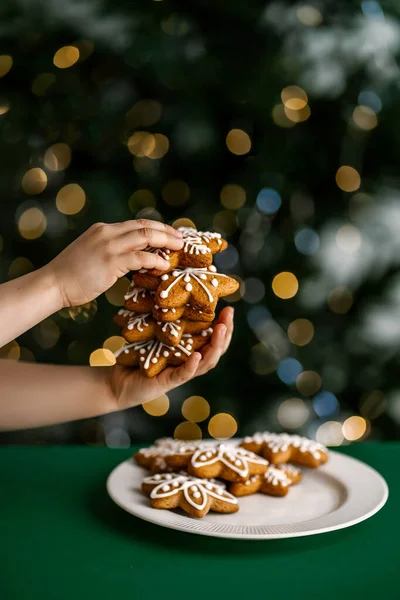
point(122, 317)
point(276, 481)
point(139, 299)
point(197, 251)
point(280, 448)
point(185, 312)
point(142, 327)
point(194, 496)
point(153, 457)
point(224, 461)
point(153, 356)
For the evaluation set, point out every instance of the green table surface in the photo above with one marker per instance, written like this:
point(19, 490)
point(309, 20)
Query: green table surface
point(62, 537)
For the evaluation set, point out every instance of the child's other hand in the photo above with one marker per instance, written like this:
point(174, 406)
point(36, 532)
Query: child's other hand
point(104, 253)
point(130, 387)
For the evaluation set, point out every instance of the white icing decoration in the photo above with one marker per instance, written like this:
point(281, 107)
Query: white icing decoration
point(196, 241)
point(172, 328)
point(138, 321)
point(166, 488)
point(127, 314)
point(163, 252)
point(188, 287)
point(207, 332)
point(164, 277)
point(134, 291)
point(153, 348)
point(226, 454)
point(214, 282)
point(280, 442)
point(277, 477)
point(195, 274)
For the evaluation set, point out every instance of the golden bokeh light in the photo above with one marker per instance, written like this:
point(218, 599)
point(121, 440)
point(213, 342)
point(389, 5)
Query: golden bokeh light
point(262, 360)
point(4, 108)
point(309, 16)
point(34, 181)
point(175, 192)
point(298, 116)
point(340, 300)
point(292, 413)
point(224, 222)
point(26, 355)
point(6, 63)
point(187, 431)
point(233, 196)
point(161, 146)
point(144, 113)
point(365, 118)
point(141, 199)
point(42, 83)
point(222, 426)
point(157, 407)
point(373, 404)
point(196, 409)
point(285, 285)
point(114, 343)
point(102, 358)
point(330, 433)
point(85, 47)
point(141, 144)
point(236, 296)
point(66, 57)
point(354, 428)
point(238, 142)
point(294, 97)
point(308, 383)
point(348, 179)
point(70, 199)
point(348, 239)
point(10, 351)
point(47, 334)
point(301, 332)
point(32, 223)
point(57, 157)
point(116, 294)
point(183, 222)
point(84, 313)
point(279, 117)
point(20, 266)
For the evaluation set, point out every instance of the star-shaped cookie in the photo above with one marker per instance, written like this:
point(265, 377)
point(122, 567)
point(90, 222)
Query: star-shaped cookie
point(282, 447)
point(276, 481)
point(197, 251)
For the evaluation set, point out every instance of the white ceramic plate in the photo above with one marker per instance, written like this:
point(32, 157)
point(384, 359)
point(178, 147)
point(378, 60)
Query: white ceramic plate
point(339, 494)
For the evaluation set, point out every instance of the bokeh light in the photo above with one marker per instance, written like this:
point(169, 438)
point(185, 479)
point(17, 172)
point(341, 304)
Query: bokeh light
point(102, 358)
point(32, 223)
point(34, 181)
point(298, 116)
point(292, 413)
point(238, 142)
point(187, 431)
point(196, 409)
point(340, 300)
point(26, 355)
point(114, 343)
point(373, 404)
point(116, 294)
point(224, 222)
point(371, 100)
point(365, 118)
point(157, 407)
point(348, 239)
point(85, 47)
point(233, 196)
point(325, 404)
point(222, 426)
point(306, 241)
point(57, 157)
point(348, 179)
point(20, 266)
point(161, 146)
point(354, 428)
point(10, 351)
point(6, 63)
point(141, 199)
point(301, 332)
point(42, 83)
point(66, 57)
point(330, 433)
point(176, 192)
point(279, 117)
point(47, 334)
point(183, 222)
point(294, 97)
point(84, 313)
point(4, 108)
point(308, 383)
point(144, 113)
point(289, 369)
point(141, 144)
point(285, 285)
point(268, 201)
point(309, 15)
point(262, 361)
point(70, 199)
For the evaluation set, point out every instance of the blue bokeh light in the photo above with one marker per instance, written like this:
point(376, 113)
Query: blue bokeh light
point(370, 99)
point(325, 404)
point(289, 369)
point(306, 241)
point(257, 315)
point(268, 201)
point(372, 9)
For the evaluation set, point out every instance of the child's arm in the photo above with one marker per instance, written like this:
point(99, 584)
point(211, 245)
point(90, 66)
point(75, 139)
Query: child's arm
point(33, 395)
point(83, 271)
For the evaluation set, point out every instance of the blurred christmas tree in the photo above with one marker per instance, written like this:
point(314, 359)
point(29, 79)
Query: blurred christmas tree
point(274, 124)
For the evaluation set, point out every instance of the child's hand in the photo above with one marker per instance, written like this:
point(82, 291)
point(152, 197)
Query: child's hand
point(131, 387)
point(104, 253)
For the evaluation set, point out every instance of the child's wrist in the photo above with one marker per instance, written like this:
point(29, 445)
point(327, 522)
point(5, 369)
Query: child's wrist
point(52, 288)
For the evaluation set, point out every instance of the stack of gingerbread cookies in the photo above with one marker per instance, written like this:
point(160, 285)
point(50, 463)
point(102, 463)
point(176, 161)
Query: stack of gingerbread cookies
point(202, 476)
point(167, 315)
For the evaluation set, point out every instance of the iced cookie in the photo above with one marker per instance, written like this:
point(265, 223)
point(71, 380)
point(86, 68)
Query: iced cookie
point(282, 447)
point(184, 312)
point(224, 461)
point(197, 251)
point(276, 481)
point(153, 457)
point(194, 496)
point(139, 299)
point(153, 356)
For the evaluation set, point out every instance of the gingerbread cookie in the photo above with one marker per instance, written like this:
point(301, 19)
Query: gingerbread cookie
point(153, 356)
point(282, 447)
point(197, 251)
point(195, 496)
point(224, 461)
point(142, 327)
point(154, 457)
point(276, 481)
point(184, 312)
point(139, 299)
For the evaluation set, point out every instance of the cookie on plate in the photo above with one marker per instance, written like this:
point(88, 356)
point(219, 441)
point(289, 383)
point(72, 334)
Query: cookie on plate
point(276, 481)
point(282, 448)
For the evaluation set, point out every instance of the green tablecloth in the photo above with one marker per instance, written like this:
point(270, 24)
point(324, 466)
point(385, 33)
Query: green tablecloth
point(61, 537)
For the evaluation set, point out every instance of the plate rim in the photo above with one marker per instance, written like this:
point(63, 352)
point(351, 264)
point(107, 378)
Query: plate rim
point(197, 526)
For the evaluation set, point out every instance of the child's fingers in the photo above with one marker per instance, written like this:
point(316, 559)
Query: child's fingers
point(133, 261)
point(212, 352)
point(139, 239)
point(179, 375)
point(226, 317)
point(132, 225)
